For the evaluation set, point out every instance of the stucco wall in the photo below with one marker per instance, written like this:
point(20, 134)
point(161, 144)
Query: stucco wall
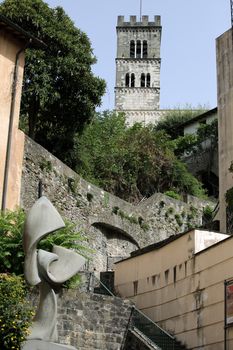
point(225, 111)
point(9, 46)
point(181, 290)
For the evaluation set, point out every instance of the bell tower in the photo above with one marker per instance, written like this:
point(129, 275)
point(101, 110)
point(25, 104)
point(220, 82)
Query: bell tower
point(137, 89)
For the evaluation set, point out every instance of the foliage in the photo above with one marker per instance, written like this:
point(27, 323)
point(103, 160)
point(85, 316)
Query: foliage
point(208, 213)
point(11, 248)
point(131, 162)
point(66, 237)
point(229, 198)
point(205, 137)
point(60, 92)
point(15, 313)
point(173, 194)
point(171, 122)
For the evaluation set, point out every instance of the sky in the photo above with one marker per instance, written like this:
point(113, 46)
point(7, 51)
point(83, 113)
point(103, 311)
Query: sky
point(189, 30)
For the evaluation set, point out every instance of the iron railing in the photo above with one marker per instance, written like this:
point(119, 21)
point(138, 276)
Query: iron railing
point(152, 330)
point(98, 287)
point(138, 321)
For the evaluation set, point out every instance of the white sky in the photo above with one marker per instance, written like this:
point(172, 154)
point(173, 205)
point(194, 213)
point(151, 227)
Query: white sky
point(190, 27)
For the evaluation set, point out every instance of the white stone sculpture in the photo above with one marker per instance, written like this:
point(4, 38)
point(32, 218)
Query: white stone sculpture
point(48, 270)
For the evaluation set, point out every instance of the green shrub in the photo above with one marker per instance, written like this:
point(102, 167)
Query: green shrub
point(173, 194)
point(15, 312)
point(208, 213)
point(178, 219)
point(229, 198)
point(11, 248)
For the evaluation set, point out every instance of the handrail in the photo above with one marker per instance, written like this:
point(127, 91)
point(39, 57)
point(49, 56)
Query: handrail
point(152, 331)
point(156, 324)
point(93, 277)
point(127, 328)
point(157, 331)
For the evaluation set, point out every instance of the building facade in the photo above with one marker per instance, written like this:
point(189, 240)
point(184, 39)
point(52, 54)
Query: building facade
point(185, 284)
point(224, 48)
point(137, 89)
point(13, 41)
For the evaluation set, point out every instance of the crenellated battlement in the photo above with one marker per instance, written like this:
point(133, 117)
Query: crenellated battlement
point(144, 22)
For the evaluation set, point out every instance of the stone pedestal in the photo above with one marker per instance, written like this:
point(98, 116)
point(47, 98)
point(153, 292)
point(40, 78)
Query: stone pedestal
point(43, 345)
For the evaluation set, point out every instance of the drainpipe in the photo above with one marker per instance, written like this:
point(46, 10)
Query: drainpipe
point(10, 127)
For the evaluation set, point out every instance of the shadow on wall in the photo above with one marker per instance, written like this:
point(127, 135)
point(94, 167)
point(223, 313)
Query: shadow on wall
point(118, 243)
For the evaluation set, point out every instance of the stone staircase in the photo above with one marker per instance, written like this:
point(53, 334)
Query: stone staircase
point(142, 332)
point(92, 318)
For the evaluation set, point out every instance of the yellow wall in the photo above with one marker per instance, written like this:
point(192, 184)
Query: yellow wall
point(9, 46)
point(180, 290)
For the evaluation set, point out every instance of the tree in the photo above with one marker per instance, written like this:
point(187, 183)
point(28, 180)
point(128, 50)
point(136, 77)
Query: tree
point(131, 162)
point(60, 92)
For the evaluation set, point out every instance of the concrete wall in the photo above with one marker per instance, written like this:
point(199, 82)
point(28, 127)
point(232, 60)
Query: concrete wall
point(9, 46)
point(181, 286)
point(225, 111)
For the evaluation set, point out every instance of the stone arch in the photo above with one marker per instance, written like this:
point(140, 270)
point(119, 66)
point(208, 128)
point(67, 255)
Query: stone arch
point(114, 242)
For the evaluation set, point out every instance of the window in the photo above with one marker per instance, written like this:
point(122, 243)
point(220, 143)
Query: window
point(135, 287)
point(144, 49)
point(127, 80)
point(143, 80)
point(148, 80)
point(132, 80)
point(132, 48)
point(138, 54)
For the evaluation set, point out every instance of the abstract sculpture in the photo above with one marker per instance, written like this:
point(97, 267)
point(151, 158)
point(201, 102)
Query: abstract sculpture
point(48, 270)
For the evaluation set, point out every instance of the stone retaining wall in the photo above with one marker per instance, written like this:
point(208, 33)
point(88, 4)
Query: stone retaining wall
point(112, 226)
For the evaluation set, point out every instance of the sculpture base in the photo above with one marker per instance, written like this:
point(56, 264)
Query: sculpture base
point(44, 345)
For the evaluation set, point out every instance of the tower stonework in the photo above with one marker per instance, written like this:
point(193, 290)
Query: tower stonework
point(137, 89)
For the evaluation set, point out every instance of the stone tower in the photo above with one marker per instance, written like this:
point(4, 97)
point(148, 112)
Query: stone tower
point(137, 90)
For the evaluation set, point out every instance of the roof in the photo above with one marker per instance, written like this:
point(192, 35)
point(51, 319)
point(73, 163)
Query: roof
point(154, 246)
point(199, 117)
point(20, 33)
point(158, 245)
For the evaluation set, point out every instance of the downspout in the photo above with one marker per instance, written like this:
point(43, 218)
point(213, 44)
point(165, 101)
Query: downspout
point(10, 127)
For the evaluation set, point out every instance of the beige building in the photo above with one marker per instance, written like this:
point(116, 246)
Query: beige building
point(179, 284)
point(13, 42)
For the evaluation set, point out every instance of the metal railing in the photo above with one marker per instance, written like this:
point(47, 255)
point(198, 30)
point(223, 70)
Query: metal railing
point(152, 330)
point(138, 321)
point(96, 286)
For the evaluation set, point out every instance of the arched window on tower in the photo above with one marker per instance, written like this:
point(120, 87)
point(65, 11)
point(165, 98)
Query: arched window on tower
point(143, 80)
point(132, 49)
point(145, 51)
point(127, 80)
point(138, 53)
point(132, 80)
point(148, 80)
